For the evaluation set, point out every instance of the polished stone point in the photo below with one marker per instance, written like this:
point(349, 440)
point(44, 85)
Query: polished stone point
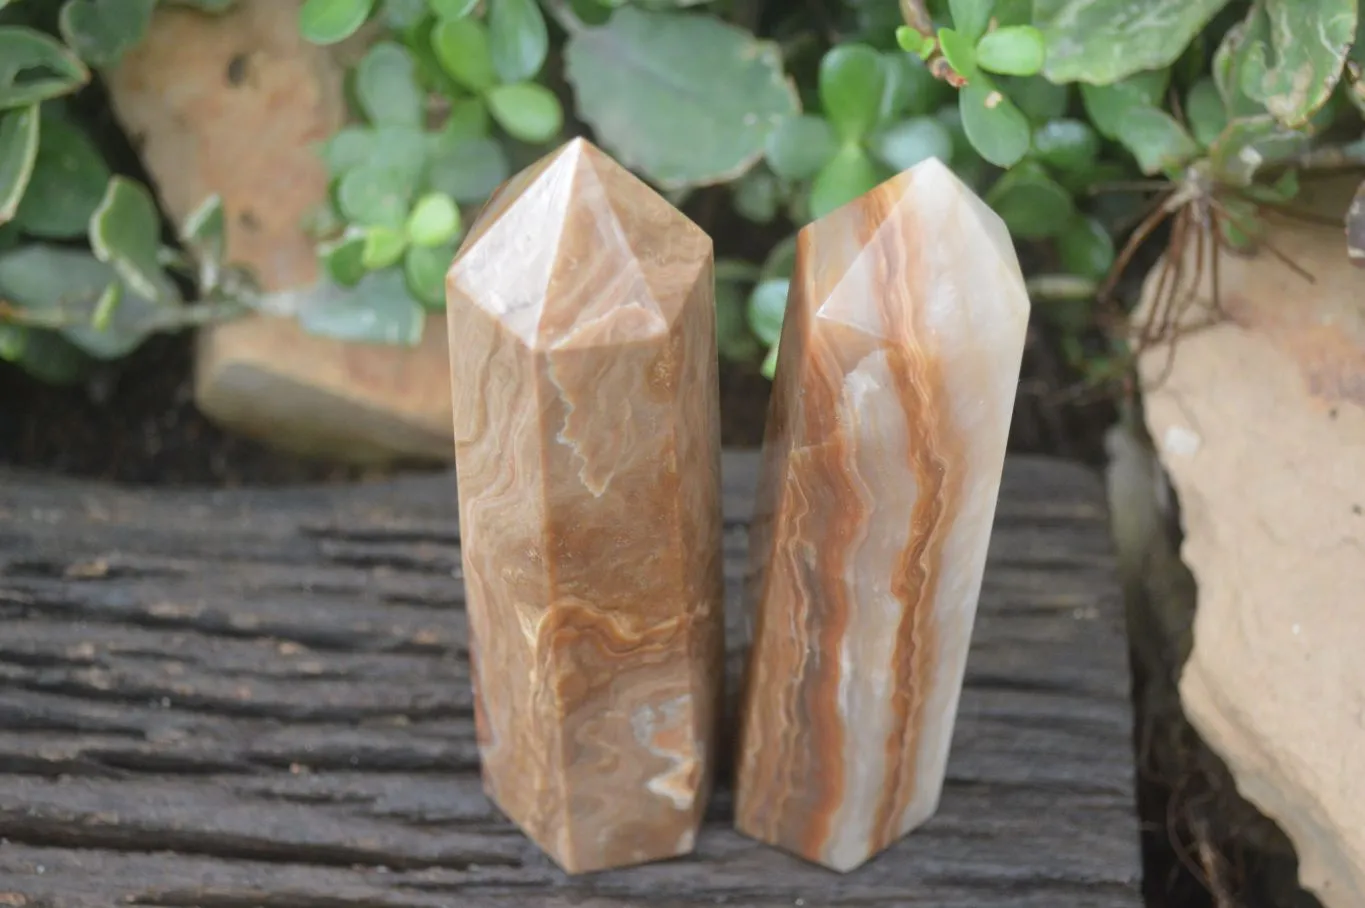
point(897, 369)
point(586, 415)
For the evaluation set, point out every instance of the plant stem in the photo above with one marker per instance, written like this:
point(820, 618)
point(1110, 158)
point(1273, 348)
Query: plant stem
point(562, 13)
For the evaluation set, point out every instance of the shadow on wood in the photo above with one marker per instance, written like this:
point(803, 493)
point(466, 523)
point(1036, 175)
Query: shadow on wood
point(229, 699)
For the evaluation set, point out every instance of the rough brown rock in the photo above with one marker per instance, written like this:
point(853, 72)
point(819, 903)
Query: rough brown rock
point(1261, 426)
point(236, 104)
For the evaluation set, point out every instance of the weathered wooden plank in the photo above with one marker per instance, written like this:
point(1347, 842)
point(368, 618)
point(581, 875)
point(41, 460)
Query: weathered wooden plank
point(259, 697)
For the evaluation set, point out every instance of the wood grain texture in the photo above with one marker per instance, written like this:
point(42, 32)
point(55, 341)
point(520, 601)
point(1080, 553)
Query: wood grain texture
point(587, 444)
point(885, 441)
point(261, 698)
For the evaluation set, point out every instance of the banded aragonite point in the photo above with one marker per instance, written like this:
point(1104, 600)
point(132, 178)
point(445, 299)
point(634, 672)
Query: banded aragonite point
point(898, 365)
point(586, 413)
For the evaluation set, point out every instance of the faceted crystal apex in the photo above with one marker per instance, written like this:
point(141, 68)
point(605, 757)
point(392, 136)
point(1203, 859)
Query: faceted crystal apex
point(575, 251)
point(919, 239)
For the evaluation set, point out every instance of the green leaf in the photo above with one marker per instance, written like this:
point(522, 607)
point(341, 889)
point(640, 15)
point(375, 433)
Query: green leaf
point(383, 246)
point(386, 86)
point(1068, 145)
point(344, 259)
point(627, 74)
point(851, 85)
point(461, 46)
point(903, 145)
point(404, 15)
point(1086, 248)
point(734, 341)
point(125, 232)
point(767, 307)
point(204, 234)
point(1205, 112)
point(1031, 203)
point(1309, 40)
point(518, 38)
point(435, 220)
point(71, 283)
point(1156, 139)
point(1038, 98)
point(45, 355)
point(958, 51)
point(528, 111)
point(800, 146)
point(970, 17)
point(1016, 50)
point(769, 367)
point(468, 171)
point(452, 9)
point(1108, 105)
point(18, 151)
point(911, 90)
point(849, 174)
point(34, 67)
point(781, 260)
point(331, 21)
point(425, 269)
point(997, 129)
point(468, 119)
point(1103, 41)
point(68, 183)
point(379, 309)
point(375, 195)
point(1240, 60)
point(1248, 144)
point(913, 41)
point(756, 196)
point(102, 31)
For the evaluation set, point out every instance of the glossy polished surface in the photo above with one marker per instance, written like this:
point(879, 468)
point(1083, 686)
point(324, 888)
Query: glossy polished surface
point(582, 337)
point(885, 442)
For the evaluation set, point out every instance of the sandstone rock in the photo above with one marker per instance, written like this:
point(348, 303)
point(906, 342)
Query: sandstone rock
point(587, 432)
point(235, 104)
point(898, 365)
point(1261, 426)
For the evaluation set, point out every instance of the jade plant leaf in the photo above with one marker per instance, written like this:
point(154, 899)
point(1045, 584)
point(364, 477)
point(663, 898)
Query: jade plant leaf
point(970, 17)
point(424, 269)
point(997, 129)
point(756, 196)
point(461, 47)
point(45, 355)
point(683, 97)
point(767, 307)
point(344, 258)
point(102, 31)
point(1015, 50)
point(70, 283)
point(467, 170)
point(905, 144)
point(851, 83)
point(452, 9)
point(517, 38)
point(330, 21)
point(125, 233)
point(1156, 139)
point(1108, 105)
point(528, 111)
point(386, 85)
point(1068, 145)
point(1032, 204)
point(435, 220)
point(800, 146)
point(34, 67)
point(1086, 248)
point(69, 181)
point(383, 247)
point(958, 51)
point(1102, 41)
point(18, 151)
point(1205, 112)
point(849, 174)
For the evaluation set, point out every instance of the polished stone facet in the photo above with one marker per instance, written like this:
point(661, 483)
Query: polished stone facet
point(583, 353)
point(898, 364)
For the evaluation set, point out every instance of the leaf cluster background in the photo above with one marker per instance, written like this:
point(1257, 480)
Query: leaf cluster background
point(788, 110)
